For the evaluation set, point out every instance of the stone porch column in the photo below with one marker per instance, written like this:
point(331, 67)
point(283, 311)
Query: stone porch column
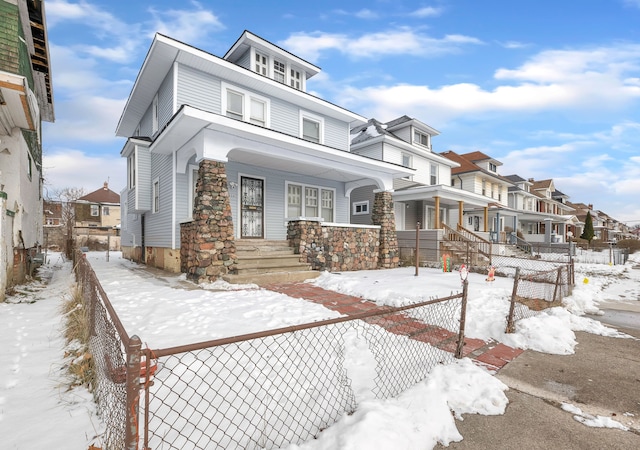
point(213, 249)
point(383, 215)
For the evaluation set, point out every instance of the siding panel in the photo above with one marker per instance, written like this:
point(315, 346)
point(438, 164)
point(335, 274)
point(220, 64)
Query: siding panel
point(158, 225)
point(198, 89)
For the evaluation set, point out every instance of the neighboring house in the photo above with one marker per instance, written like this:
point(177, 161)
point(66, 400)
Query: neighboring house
point(26, 99)
point(226, 150)
point(426, 196)
point(544, 213)
point(478, 173)
point(100, 208)
point(54, 229)
point(97, 220)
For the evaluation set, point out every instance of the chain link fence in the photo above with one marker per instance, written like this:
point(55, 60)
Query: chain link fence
point(535, 290)
point(262, 390)
point(115, 359)
point(267, 390)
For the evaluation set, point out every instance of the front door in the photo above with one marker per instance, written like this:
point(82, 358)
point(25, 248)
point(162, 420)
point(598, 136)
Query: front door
point(252, 208)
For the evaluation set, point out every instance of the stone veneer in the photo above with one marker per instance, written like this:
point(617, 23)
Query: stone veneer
point(334, 248)
point(207, 246)
point(383, 215)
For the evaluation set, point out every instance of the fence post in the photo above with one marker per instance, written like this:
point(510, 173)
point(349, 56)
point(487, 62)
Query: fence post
point(512, 307)
point(417, 246)
point(463, 319)
point(133, 392)
point(558, 279)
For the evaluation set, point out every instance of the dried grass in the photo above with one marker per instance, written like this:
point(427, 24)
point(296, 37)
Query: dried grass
point(76, 333)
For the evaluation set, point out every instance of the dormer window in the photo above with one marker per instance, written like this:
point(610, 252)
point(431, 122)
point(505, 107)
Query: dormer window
point(420, 138)
point(493, 167)
point(262, 64)
point(279, 71)
point(296, 79)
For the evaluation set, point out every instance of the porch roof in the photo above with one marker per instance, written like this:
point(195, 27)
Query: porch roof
point(448, 195)
point(213, 136)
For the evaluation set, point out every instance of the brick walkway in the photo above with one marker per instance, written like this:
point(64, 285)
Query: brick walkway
point(492, 355)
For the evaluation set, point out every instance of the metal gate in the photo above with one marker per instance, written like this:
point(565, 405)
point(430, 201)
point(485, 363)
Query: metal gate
point(252, 207)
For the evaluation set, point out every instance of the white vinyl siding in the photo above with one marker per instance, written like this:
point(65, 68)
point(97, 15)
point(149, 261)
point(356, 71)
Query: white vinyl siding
point(158, 225)
point(143, 180)
point(198, 89)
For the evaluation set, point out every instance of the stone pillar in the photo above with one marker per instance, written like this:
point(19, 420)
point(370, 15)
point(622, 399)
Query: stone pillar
point(383, 215)
point(212, 249)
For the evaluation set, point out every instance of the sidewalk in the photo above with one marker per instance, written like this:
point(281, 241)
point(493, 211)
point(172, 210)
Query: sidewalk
point(492, 355)
point(601, 378)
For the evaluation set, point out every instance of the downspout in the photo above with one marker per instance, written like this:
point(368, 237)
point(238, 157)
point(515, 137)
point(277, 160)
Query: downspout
point(173, 200)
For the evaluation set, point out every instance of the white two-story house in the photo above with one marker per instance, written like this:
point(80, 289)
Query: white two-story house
point(424, 197)
point(224, 149)
point(478, 173)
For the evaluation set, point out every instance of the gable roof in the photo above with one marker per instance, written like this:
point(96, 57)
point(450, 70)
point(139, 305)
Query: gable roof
point(102, 195)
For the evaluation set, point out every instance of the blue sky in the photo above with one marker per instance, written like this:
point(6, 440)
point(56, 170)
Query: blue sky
point(551, 88)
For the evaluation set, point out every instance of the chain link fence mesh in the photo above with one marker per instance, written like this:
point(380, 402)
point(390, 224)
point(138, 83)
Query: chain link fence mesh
point(274, 390)
point(536, 290)
point(108, 359)
point(264, 390)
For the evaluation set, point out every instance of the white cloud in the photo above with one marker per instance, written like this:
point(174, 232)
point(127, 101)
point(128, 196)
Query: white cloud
point(582, 81)
point(427, 11)
point(190, 26)
point(366, 14)
point(74, 168)
point(401, 41)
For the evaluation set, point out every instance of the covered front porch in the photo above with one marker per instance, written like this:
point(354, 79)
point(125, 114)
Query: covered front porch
point(252, 182)
point(431, 207)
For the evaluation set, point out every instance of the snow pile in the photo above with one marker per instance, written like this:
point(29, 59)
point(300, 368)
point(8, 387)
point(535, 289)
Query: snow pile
point(592, 421)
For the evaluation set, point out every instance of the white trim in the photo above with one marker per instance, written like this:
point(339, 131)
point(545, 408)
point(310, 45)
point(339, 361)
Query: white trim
point(246, 103)
point(190, 180)
point(354, 205)
point(155, 207)
point(314, 118)
point(303, 206)
point(154, 115)
point(174, 201)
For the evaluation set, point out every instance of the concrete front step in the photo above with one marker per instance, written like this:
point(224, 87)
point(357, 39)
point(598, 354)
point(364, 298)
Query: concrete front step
point(262, 246)
point(262, 279)
point(262, 260)
point(268, 260)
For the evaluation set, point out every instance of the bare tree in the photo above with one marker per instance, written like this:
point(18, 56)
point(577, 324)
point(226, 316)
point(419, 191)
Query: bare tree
point(67, 198)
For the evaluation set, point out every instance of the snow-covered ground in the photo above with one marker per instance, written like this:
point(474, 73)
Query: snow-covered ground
point(168, 310)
